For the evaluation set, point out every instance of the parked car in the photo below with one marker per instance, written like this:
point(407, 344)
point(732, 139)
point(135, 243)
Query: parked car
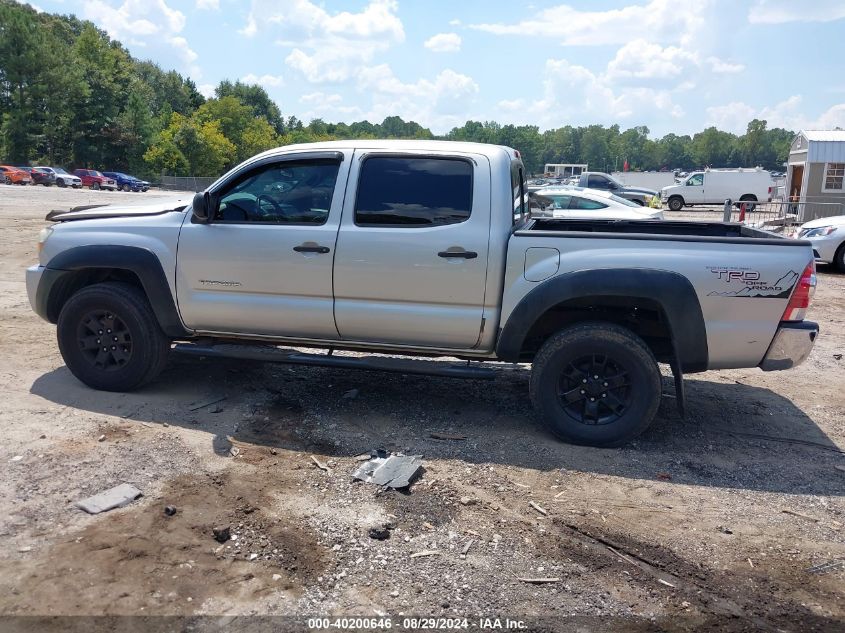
point(827, 235)
point(577, 202)
point(421, 248)
point(714, 186)
point(94, 179)
point(42, 176)
point(126, 182)
point(64, 179)
point(15, 175)
point(606, 182)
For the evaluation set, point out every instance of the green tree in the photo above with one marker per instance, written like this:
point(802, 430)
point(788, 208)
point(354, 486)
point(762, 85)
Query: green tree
point(256, 98)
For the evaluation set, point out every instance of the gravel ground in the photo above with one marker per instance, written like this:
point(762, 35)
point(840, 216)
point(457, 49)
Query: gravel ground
point(710, 522)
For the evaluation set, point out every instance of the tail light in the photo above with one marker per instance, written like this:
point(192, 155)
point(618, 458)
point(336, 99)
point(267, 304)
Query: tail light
point(796, 310)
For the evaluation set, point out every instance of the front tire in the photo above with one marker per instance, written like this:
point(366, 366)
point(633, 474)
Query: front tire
point(676, 203)
point(839, 258)
point(110, 339)
point(595, 384)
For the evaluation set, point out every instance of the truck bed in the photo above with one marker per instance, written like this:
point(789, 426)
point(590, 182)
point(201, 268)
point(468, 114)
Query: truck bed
point(652, 230)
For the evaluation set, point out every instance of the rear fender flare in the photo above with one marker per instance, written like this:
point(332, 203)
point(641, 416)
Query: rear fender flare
point(671, 291)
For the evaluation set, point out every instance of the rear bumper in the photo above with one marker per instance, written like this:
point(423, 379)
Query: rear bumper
point(791, 346)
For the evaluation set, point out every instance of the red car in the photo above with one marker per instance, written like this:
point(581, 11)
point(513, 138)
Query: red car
point(14, 175)
point(94, 179)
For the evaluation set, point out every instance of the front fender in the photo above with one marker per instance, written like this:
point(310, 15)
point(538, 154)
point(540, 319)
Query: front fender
point(139, 261)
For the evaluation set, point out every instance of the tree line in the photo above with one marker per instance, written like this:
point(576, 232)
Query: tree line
point(72, 96)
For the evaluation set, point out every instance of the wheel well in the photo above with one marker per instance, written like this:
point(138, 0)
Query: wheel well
point(644, 317)
point(73, 282)
point(748, 196)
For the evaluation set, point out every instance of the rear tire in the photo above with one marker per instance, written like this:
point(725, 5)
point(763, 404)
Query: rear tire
point(676, 203)
point(606, 411)
point(110, 339)
point(749, 208)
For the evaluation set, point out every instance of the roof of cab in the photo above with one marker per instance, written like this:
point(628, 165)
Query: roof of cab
point(399, 145)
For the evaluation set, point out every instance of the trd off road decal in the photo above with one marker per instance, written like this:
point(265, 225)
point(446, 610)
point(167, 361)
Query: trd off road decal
point(745, 282)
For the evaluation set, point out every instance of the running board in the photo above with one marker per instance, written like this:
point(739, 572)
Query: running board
point(374, 363)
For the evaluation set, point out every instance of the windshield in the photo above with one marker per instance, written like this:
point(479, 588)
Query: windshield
point(59, 170)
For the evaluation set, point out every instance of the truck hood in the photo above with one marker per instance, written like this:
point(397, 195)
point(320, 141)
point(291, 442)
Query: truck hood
point(642, 190)
point(93, 212)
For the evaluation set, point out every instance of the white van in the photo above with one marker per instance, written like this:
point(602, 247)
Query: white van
point(714, 186)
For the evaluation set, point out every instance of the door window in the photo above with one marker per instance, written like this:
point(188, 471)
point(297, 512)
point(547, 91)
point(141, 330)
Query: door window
point(585, 204)
point(281, 193)
point(695, 181)
point(413, 191)
point(597, 182)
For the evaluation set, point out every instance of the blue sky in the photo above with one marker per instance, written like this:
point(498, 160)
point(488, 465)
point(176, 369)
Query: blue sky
point(672, 66)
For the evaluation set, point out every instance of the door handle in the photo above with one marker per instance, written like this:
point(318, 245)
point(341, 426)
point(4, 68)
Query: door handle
point(307, 248)
point(458, 254)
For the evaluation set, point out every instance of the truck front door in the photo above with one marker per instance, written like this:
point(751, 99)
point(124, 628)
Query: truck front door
point(264, 264)
point(411, 261)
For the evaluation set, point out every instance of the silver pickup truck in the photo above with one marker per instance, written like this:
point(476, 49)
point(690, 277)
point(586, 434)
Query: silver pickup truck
point(421, 249)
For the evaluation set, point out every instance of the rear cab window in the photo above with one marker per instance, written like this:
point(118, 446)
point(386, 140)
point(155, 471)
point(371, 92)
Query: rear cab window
point(520, 202)
point(414, 191)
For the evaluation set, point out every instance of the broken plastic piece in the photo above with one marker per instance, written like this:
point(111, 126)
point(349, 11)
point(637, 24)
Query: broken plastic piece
point(116, 497)
point(393, 471)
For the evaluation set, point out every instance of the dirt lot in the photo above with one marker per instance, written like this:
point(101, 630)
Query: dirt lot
point(709, 522)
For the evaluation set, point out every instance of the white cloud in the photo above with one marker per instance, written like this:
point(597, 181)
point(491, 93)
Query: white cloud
point(149, 24)
point(455, 22)
point(444, 43)
point(731, 117)
point(640, 59)
point(439, 103)
point(662, 19)
point(212, 5)
point(206, 90)
point(575, 94)
point(782, 11)
point(328, 47)
point(273, 81)
point(787, 114)
point(721, 66)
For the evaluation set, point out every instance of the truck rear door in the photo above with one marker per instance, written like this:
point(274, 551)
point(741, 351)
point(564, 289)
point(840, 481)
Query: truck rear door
point(411, 257)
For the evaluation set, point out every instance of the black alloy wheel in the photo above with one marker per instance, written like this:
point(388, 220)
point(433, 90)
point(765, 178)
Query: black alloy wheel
point(105, 340)
point(595, 390)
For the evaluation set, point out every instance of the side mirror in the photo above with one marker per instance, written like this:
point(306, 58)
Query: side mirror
point(202, 207)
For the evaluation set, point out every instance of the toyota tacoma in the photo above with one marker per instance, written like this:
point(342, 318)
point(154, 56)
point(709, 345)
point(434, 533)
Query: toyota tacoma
point(421, 249)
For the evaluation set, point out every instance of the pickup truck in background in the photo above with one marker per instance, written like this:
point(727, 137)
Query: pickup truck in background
point(426, 249)
point(606, 182)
